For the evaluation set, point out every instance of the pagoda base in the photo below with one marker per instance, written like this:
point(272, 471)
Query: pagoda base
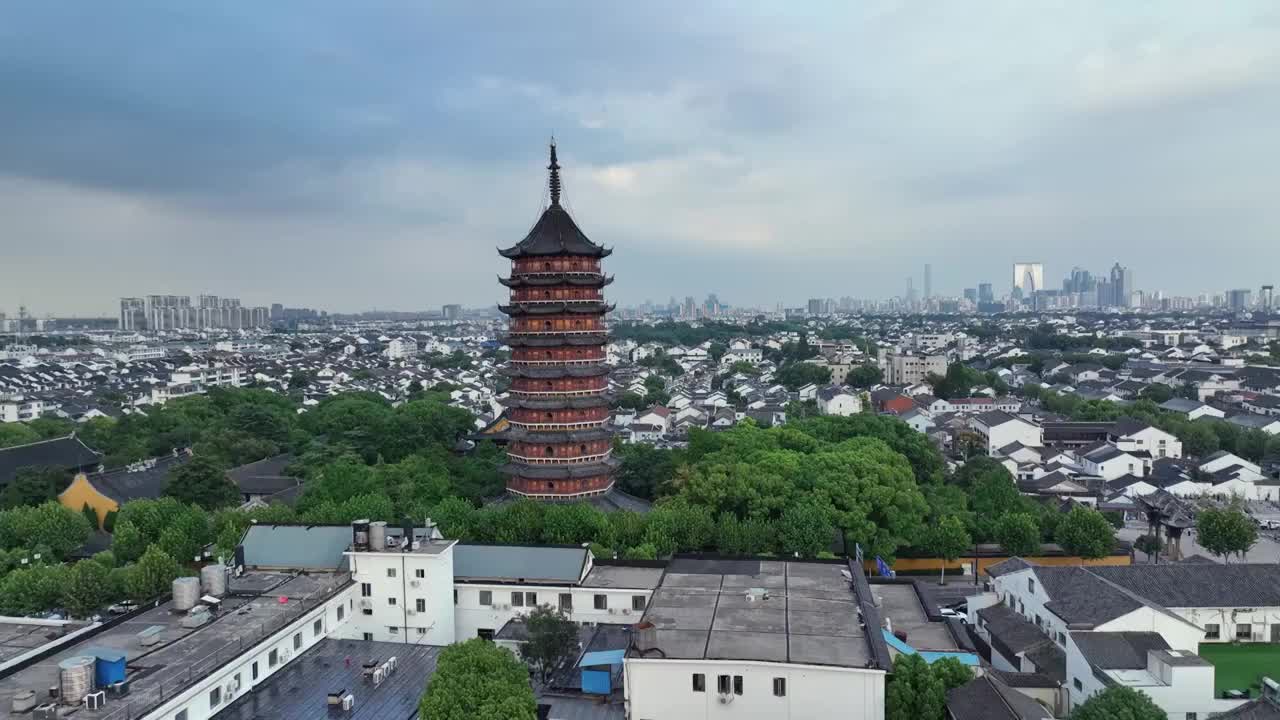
point(568, 488)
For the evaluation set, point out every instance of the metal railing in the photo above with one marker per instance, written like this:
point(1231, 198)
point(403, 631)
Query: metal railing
point(575, 460)
point(559, 425)
point(166, 683)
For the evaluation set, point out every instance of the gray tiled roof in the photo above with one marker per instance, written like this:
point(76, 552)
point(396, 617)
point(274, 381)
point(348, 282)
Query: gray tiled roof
point(1118, 650)
point(315, 547)
point(1081, 598)
point(987, 698)
point(1199, 585)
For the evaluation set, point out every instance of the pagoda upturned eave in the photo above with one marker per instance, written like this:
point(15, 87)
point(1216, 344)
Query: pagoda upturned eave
point(554, 278)
point(575, 307)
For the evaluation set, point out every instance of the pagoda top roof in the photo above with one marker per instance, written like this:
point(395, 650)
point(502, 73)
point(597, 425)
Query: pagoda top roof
point(555, 233)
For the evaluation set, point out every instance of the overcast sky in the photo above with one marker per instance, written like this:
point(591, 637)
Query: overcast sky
point(370, 154)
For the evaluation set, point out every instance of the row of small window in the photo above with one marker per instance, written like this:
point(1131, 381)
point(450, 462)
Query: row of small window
point(394, 630)
point(1212, 631)
point(726, 684)
point(530, 599)
point(418, 572)
point(273, 659)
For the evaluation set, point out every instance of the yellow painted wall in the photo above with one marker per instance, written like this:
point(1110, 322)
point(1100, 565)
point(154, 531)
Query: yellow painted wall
point(81, 492)
point(920, 565)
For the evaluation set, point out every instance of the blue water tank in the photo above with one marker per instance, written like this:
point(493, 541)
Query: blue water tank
point(109, 667)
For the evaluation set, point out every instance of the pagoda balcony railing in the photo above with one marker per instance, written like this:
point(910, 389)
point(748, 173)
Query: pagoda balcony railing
point(575, 273)
point(560, 425)
point(559, 496)
point(566, 393)
point(575, 460)
point(601, 331)
point(562, 301)
point(583, 361)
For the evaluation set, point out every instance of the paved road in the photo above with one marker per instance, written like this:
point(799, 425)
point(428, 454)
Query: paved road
point(1266, 551)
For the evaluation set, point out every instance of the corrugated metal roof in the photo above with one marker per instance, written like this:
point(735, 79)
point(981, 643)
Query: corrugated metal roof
point(296, 546)
point(602, 657)
point(518, 563)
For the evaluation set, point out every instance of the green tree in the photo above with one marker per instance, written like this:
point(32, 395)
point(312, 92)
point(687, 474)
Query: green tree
point(993, 494)
point(1118, 703)
point(1225, 531)
point(553, 637)
point(152, 575)
point(14, 434)
point(1157, 393)
point(645, 471)
point(914, 692)
point(202, 481)
point(1198, 439)
point(88, 588)
point(951, 672)
point(50, 526)
point(948, 540)
point(864, 376)
point(33, 486)
point(1019, 534)
point(477, 680)
point(1147, 544)
point(1086, 533)
point(805, 529)
point(127, 542)
point(798, 374)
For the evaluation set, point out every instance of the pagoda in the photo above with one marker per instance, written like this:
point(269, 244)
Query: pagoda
point(559, 445)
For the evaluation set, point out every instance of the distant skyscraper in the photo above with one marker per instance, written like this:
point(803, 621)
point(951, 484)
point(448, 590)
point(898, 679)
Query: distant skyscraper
point(1238, 300)
point(928, 281)
point(1264, 298)
point(985, 293)
point(1121, 285)
point(1028, 277)
point(971, 294)
point(451, 312)
point(815, 306)
point(133, 313)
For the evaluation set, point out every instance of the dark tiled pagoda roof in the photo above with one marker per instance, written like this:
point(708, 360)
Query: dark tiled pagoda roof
point(576, 403)
point(555, 233)
point(541, 279)
point(553, 472)
point(558, 436)
point(582, 307)
point(555, 371)
point(554, 340)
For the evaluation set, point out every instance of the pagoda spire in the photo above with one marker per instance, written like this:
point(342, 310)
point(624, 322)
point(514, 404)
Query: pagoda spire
point(554, 167)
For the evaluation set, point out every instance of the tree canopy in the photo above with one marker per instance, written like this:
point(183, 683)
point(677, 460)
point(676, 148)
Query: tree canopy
point(477, 680)
point(1119, 703)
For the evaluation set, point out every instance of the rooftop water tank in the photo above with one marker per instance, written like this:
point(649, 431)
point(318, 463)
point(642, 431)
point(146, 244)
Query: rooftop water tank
point(213, 578)
point(186, 593)
point(75, 678)
point(377, 536)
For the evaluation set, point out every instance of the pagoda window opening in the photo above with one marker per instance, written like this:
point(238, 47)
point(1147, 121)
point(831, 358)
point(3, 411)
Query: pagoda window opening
point(551, 485)
point(550, 385)
point(550, 451)
point(551, 416)
point(582, 449)
point(546, 266)
point(549, 355)
point(546, 293)
point(546, 324)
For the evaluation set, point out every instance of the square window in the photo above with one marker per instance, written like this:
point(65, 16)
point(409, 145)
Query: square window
point(368, 637)
point(391, 601)
point(517, 599)
point(393, 628)
point(722, 684)
point(367, 611)
point(699, 682)
point(391, 572)
point(420, 573)
point(422, 631)
point(420, 605)
point(737, 684)
point(366, 590)
point(297, 641)
point(215, 697)
point(1075, 683)
point(273, 658)
point(1244, 631)
point(566, 601)
point(638, 602)
point(1212, 631)
point(602, 602)
point(182, 715)
point(531, 599)
point(779, 687)
point(486, 597)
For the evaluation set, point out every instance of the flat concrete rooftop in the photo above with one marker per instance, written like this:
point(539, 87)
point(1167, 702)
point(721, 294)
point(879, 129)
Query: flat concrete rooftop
point(18, 638)
point(182, 653)
point(702, 611)
point(900, 605)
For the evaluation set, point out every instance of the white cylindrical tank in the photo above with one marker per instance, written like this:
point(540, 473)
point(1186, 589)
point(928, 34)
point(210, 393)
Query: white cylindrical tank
point(377, 536)
point(75, 678)
point(186, 593)
point(213, 579)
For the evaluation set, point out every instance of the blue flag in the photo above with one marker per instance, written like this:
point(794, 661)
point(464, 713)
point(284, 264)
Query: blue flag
point(883, 567)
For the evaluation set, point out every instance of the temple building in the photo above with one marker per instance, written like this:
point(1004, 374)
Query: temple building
point(559, 442)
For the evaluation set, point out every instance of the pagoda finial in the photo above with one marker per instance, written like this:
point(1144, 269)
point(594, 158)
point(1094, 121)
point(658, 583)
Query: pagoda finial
point(554, 167)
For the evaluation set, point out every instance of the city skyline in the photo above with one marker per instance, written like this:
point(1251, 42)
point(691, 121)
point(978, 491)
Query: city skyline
point(761, 155)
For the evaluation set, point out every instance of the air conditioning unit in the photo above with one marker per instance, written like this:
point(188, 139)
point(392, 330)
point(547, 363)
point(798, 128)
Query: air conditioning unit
point(412, 612)
point(378, 676)
point(613, 611)
point(285, 655)
point(230, 690)
point(95, 701)
point(366, 603)
point(626, 611)
point(348, 702)
point(726, 699)
point(45, 712)
point(503, 606)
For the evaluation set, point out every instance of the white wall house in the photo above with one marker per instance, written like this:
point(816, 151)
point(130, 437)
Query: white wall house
point(1000, 429)
point(835, 400)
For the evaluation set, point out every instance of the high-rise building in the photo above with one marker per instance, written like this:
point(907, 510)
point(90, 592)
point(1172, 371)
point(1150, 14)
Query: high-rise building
point(928, 281)
point(971, 294)
point(1028, 278)
point(985, 294)
point(1264, 298)
point(451, 312)
point(133, 314)
point(1121, 285)
point(1238, 300)
point(559, 444)
point(815, 306)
